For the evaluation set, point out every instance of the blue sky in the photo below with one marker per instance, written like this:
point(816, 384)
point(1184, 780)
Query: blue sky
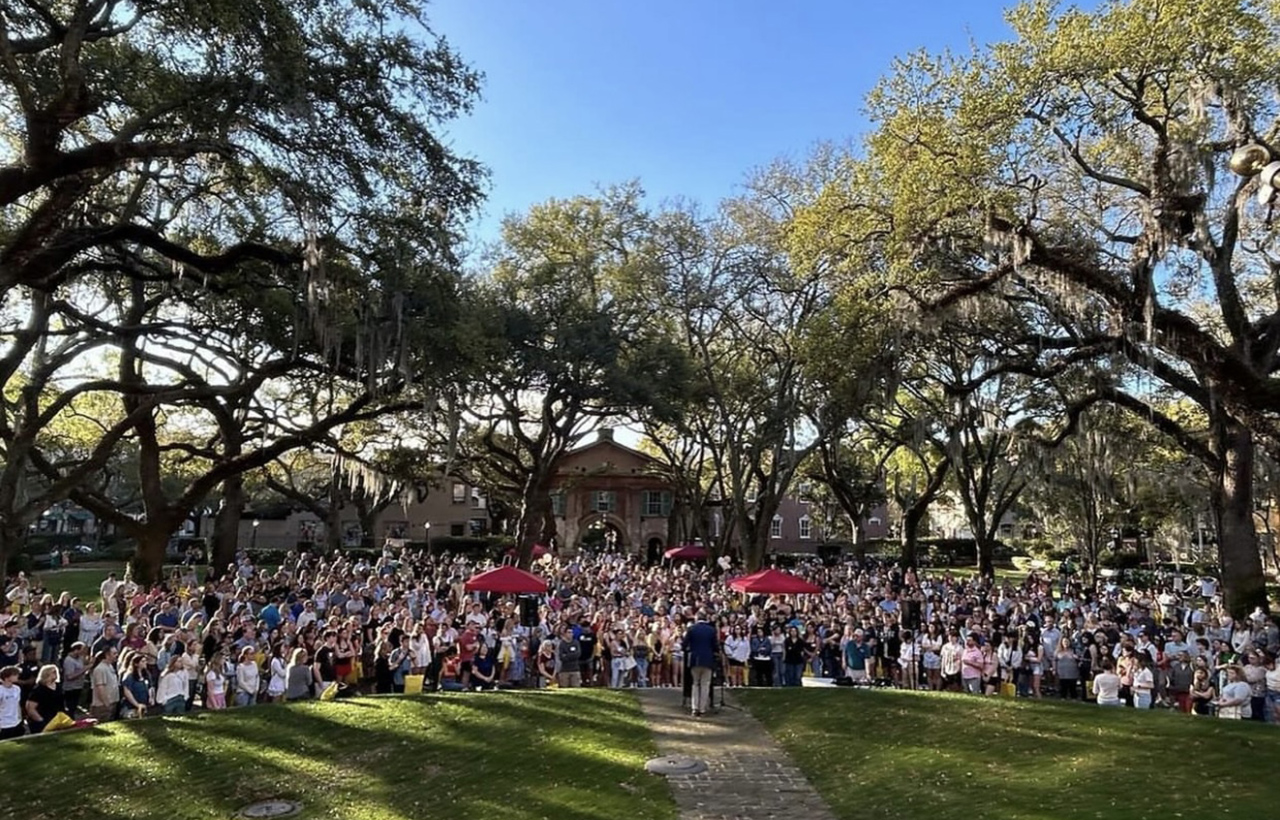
point(687, 97)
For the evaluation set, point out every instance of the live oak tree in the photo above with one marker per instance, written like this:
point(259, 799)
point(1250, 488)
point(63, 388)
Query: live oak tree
point(186, 158)
point(212, 393)
point(366, 467)
point(989, 458)
point(1081, 170)
point(572, 341)
point(1115, 473)
point(684, 459)
point(848, 473)
point(781, 357)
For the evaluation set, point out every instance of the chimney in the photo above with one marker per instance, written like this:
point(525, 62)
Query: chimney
point(604, 434)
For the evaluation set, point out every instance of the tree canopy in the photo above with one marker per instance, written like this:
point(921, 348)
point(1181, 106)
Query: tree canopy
point(1076, 177)
point(214, 202)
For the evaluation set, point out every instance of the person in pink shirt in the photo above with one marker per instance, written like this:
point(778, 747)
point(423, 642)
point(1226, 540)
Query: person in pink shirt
point(468, 643)
point(971, 664)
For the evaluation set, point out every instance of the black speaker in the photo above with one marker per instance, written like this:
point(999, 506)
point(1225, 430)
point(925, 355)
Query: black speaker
point(528, 610)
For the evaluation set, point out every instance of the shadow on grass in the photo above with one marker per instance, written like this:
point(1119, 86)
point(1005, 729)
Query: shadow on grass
point(510, 756)
point(890, 754)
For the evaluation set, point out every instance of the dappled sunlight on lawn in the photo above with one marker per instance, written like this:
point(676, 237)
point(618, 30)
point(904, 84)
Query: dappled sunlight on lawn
point(517, 755)
point(893, 754)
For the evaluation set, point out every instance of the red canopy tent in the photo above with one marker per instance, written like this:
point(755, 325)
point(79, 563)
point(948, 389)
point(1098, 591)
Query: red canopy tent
point(506, 579)
point(772, 581)
point(687, 552)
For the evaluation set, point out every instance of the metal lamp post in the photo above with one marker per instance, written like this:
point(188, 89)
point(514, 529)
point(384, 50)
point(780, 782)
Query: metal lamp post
point(426, 535)
point(253, 542)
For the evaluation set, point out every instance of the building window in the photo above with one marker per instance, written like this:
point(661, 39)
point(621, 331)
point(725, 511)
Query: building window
point(557, 503)
point(604, 501)
point(478, 526)
point(458, 530)
point(775, 527)
point(806, 528)
point(459, 493)
point(477, 499)
point(657, 504)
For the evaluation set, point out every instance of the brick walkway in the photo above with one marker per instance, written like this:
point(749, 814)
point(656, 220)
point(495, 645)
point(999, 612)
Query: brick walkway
point(749, 776)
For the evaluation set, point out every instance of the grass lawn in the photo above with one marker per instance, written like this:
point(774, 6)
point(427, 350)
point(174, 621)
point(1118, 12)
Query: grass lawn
point(573, 755)
point(893, 754)
point(1012, 574)
point(81, 582)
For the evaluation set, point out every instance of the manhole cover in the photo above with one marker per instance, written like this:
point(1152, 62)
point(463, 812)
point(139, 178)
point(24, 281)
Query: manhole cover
point(271, 808)
point(675, 766)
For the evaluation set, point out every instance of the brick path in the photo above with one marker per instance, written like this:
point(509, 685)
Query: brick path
point(749, 776)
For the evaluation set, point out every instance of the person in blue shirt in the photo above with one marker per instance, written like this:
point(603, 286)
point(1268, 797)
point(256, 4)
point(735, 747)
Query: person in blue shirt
point(701, 645)
point(856, 653)
point(166, 618)
point(271, 614)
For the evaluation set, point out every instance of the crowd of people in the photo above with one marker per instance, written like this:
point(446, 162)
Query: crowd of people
point(323, 626)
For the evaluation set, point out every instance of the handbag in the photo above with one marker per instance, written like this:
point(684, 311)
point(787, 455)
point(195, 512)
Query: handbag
point(628, 663)
point(60, 721)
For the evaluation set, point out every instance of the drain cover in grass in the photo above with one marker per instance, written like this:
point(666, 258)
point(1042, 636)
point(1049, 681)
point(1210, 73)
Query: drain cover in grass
point(675, 766)
point(270, 808)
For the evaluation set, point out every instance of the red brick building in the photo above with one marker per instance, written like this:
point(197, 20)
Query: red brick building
point(607, 487)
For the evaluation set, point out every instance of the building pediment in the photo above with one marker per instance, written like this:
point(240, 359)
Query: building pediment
point(605, 457)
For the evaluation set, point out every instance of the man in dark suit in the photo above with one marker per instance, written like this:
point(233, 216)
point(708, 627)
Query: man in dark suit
point(701, 646)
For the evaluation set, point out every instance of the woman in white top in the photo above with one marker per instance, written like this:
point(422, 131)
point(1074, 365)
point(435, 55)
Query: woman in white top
point(10, 705)
point(246, 678)
point(53, 626)
point(420, 645)
point(737, 649)
point(1143, 682)
point(215, 684)
point(930, 652)
point(171, 694)
point(191, 665)
point(90, 625)
point(908, 659)
point(1234, 702)
point(1106, 686)
point(279, 674)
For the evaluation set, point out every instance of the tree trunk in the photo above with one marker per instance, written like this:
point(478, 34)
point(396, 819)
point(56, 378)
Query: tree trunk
point(535, 509)
point(368, 525)
point(333, 526)
point(148, 560)
point(756, 546)
point(1093, 548)
point(986, 555)
point(1243, 582)
point(226, 527)
point(12, 540)
point(911, 521)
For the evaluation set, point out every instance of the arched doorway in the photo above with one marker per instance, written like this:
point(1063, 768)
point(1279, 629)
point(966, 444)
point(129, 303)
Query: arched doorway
point(654, 549)
point(598, 532)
